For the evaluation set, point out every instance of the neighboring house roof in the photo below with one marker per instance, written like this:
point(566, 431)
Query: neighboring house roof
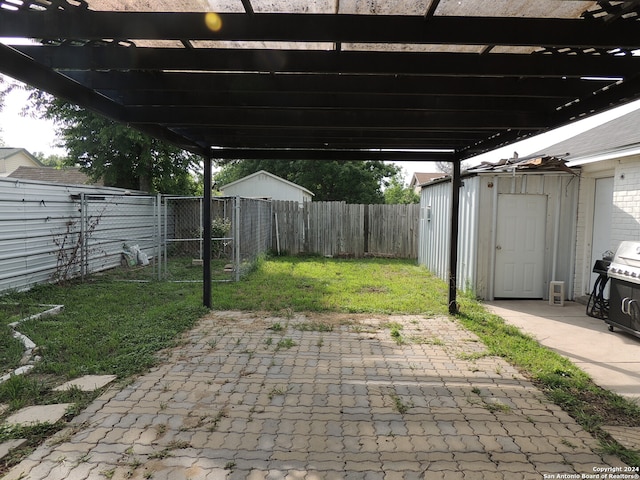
point(616, 136)
point(6, 152)
point(420, 178)
point(66, 175)
point(264, 172)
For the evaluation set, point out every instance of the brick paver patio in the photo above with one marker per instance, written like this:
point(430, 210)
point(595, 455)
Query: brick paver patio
point(240, 400)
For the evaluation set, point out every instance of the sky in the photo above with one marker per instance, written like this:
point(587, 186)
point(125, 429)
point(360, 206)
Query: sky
point(20, 131)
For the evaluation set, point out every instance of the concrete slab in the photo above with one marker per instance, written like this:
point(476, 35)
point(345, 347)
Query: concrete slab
point(612, 359)
point(87, 383)
point(6, 447)
point(38, 414)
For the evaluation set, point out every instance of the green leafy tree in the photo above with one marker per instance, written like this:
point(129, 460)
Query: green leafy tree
point(57, 161)
point(123, 157)
point(349, 181)
point(399, 192)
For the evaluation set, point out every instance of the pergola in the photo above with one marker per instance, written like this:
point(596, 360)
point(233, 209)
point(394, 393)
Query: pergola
point(439, 80)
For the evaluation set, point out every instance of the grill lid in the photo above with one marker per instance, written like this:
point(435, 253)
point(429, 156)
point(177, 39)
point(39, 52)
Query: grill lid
point(626, 262)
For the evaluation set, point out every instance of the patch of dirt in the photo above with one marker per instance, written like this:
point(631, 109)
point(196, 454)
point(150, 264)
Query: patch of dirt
point(610, 412)
point(253, 321)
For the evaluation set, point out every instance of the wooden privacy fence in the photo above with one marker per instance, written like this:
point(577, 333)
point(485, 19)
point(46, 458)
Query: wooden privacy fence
point(339, 229)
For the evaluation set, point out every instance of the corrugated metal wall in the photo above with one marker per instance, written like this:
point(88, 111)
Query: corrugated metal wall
point(40, 227)
point(433, 248)
point(478, 217)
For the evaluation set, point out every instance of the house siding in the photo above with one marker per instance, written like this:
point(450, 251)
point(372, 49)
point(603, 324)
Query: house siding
point(12, 162)
point(625, 212)
point(626, 202)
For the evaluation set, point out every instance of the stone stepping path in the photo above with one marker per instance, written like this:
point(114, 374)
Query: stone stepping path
point(6, 447)
point(88, 383)
point(36, 414)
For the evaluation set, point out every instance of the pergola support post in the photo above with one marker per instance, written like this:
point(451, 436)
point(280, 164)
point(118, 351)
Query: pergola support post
point(453, 244)
point(206, 234)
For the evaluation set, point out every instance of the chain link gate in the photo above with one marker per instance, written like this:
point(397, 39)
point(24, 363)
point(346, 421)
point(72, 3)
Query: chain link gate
point(240, 230)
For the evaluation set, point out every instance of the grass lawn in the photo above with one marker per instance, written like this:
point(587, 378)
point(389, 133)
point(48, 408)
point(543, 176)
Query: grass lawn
point(114, 327)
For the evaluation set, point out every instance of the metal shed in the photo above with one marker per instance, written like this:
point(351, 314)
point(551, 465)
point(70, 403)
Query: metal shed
point(516, 230)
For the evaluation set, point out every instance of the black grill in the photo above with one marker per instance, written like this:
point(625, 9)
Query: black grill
point(624, 298)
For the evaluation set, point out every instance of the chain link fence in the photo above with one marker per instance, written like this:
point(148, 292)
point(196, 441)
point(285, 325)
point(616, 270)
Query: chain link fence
point(240, 231)
point(161, 238)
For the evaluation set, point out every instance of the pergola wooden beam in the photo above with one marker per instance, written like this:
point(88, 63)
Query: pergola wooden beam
point(309, 27)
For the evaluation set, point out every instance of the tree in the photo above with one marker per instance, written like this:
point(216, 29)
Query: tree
point(57, 161)
point(123, 157)
point(3, 93)
point(399, 192)
point(348, 181)
point(447, 167)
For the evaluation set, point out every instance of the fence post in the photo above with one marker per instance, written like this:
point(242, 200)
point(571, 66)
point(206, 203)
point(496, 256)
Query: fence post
point(158, 210)
point(236, 234)
point(206, 232)
point(83, 231)
point(453, 244)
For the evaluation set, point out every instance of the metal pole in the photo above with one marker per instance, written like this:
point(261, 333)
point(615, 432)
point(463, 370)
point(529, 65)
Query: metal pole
point(236, 229)
point(158, 263)
point(453, 245)
point(83, 233)
point(206, 233)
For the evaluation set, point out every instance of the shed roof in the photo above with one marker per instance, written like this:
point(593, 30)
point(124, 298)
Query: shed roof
point(268, 174)
point(331, 79)
point(531, 163)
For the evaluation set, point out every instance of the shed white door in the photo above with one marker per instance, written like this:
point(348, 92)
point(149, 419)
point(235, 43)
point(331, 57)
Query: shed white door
point(520, 247)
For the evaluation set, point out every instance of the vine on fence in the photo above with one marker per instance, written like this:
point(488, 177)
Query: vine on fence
point(69, 243)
